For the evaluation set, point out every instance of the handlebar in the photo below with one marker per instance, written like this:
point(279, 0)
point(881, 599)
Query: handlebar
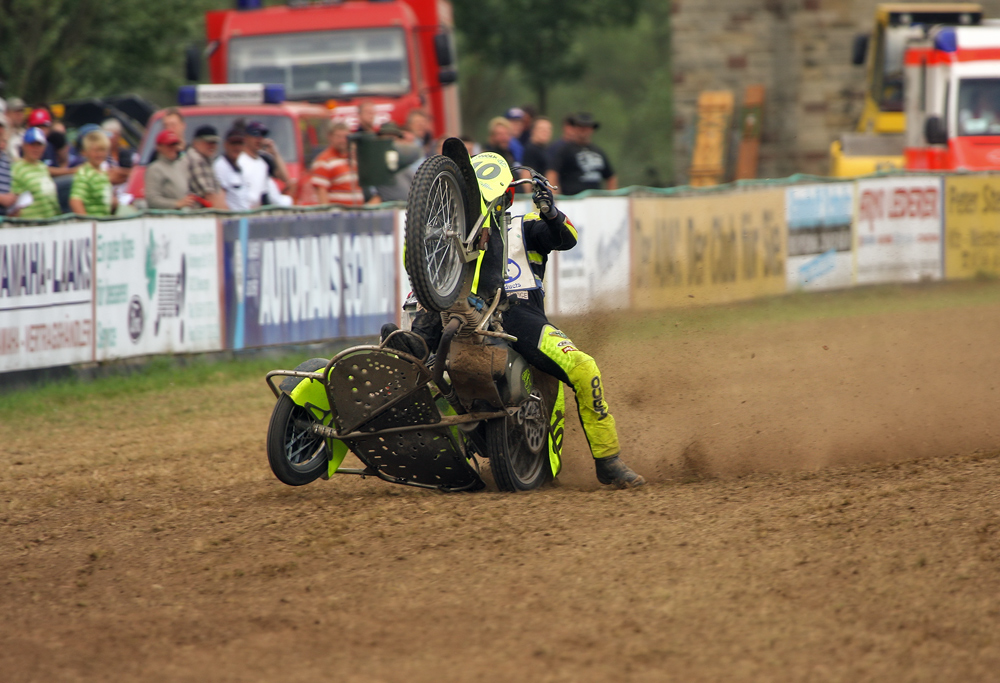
point(535, 179)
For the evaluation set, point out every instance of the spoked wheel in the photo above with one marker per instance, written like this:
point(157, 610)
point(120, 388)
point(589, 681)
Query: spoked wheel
point(435, 225)
point(296, 455)
point(519, 456)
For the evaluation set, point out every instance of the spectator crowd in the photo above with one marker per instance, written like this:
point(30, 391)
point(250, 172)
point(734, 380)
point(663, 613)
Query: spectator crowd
point(42, 174)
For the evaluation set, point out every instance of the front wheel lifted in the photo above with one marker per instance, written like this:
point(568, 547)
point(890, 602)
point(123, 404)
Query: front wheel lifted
point(296, 455)
point(518, 448)
point(435, 226)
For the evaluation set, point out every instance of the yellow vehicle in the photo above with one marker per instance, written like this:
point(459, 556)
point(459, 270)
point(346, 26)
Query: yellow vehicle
point(877, 143)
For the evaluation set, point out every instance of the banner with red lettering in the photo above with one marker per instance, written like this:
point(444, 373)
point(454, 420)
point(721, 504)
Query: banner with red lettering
point(46, 296)
point(897, 230)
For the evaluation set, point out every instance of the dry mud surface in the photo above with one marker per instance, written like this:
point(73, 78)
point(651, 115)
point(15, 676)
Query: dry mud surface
point(823, 506)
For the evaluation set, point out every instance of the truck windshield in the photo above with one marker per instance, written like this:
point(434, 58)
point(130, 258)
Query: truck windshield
point(979, 106)
point(280, 129)
point(324, 63)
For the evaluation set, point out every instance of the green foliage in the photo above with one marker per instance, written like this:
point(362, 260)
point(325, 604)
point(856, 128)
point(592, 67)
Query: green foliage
point(63, 49)
point(539, 36)
point(624, 79)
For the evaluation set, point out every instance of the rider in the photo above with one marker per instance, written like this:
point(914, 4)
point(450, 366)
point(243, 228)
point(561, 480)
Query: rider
point(530, 240)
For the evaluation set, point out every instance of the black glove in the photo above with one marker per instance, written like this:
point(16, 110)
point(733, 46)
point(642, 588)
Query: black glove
point(543, 199)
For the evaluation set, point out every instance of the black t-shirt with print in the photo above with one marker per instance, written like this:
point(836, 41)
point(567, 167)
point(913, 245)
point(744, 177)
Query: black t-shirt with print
point(580, 167)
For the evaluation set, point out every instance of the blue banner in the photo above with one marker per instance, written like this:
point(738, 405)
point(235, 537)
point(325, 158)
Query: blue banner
point(309, 277)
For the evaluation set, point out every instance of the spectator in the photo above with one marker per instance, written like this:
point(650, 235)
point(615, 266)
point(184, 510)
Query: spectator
point(333, 174)
point(32, 176)
point(528, 118)
point(366, 118)
point(119, 160)
point(41, 119)
point(7, 198)
point(262, 163)
point(65, 160)
point(168, 177)
point(577, 165)
point(201, 179)
point(515, 115)
point(419, 124)
point(173, 120)
point(92, 194)
point(535, 152)
point(15, 124)
point(499, 139)
point(399, 161)
point(228, 170)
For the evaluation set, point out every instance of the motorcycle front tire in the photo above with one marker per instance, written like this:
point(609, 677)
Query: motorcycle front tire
point(436, 219)
point(297, 456)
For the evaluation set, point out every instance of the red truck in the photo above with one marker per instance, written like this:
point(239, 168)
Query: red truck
point(324, 59)
point(397, 53)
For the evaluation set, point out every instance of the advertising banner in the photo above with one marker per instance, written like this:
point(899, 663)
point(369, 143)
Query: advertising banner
point(819, 236)
point(309, 277)
point(972, 226)
point(157, 287)
point(46, 296)
point(593, 275)
point(698, 250)
point(897, 234)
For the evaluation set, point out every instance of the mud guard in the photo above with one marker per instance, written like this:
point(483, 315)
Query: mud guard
point(311, 395)
point(455, 149)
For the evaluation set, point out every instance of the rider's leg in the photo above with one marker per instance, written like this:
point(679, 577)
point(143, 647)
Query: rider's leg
point(553, 352)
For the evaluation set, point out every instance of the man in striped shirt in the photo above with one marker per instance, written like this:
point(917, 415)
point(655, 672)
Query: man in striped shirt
point(334, 176)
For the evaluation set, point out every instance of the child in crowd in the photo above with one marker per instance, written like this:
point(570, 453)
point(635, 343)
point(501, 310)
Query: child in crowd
point(31, 182)
point(92, 194)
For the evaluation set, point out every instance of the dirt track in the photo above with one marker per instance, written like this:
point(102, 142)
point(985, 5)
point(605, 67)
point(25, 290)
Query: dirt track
point(824, 505)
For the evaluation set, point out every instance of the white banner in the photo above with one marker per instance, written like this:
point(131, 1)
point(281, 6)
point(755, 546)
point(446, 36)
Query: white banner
point(157, 287)
point(819, 221)
point(898, 230)
point(595, 274)
point(46, 302)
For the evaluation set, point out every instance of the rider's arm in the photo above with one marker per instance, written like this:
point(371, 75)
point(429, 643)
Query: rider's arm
point(548, 234)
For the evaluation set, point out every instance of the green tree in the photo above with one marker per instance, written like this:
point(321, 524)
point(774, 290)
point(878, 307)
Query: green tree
point(537, 36)
point(61, 49)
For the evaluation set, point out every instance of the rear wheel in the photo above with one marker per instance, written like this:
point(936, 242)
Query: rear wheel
point(435, 225)
point(519, 448)
point(296, 455)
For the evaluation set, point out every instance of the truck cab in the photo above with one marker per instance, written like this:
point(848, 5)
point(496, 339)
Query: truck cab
point(953, 102)
point(877, 142)
point(297, 128)
point(396, 53)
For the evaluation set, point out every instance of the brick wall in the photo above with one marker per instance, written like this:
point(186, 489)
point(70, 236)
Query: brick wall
point(799, 49)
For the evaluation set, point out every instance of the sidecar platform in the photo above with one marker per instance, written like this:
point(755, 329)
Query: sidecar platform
point(386, 414)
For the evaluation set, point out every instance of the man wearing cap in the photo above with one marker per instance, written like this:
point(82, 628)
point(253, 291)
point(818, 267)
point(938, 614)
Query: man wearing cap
point(577, 164)
point(15, 127)
point(168, 176)
point(228, 171)
point(201, 179)
point(261, 162)
point(515, 115)
point(400, 161)
point(30, 175)
point(7, 198)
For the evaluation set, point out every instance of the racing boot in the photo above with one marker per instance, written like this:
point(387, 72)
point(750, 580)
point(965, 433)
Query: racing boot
point(616, 473)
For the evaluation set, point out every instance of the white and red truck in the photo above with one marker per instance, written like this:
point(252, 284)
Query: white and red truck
point(953, 100)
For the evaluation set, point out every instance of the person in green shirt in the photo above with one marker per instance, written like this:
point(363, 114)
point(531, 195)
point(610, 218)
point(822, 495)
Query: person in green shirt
point(32, 176)
point(92, 193)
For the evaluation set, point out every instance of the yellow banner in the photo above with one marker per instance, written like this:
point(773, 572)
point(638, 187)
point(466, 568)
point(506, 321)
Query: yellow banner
point(699, 250)
point(971, 227)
